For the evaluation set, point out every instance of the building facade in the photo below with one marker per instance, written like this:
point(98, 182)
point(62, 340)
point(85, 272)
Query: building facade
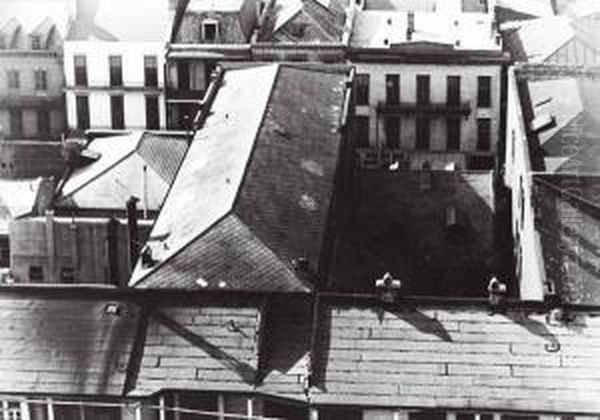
point(31, 76)
point(114, 71)
point(427, 87)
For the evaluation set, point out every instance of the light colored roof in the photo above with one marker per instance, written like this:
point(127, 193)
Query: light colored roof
point(286, 10)
point(538, 8)
point(536, 40)
point(457, 358)
point(463, 31)
point(17, 198)
point(138, 164)
point(215, 5)
point(31, 13)
point(583, 8)
point(102, 21)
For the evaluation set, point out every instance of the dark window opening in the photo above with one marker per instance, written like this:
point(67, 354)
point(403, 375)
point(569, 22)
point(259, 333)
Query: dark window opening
point(200, 402)
point(453, 133)
point(117, 112)
point(361, 86)
point(150, 71)
point(41, 79)
point(392, 132)
point(67, 275)
point(209, 31)
point(423, 89)
point(116, 70)
point(392, 88)
point(484, 134)
point(83, 112)
point(453, 90)
point(36, 274)
point(427, 415)
point(43, 122)
point(152, 113)
point(423, 133)
point(183, 75)
point(484, 91)
point(16, 122)
point(36, 42)
point(361, 131)
point(81, 78)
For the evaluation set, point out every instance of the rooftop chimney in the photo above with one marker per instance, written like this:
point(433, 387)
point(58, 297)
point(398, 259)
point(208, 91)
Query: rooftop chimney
point(410, 25)
point(132, 226)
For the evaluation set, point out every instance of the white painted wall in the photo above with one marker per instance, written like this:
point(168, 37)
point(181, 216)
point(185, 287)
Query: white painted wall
point(408, 93)
point(99, 90)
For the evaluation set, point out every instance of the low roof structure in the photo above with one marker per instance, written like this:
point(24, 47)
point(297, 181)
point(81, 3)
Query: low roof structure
point(336, 351)
point(17, 198)
point(112, 169)
point(254, 194)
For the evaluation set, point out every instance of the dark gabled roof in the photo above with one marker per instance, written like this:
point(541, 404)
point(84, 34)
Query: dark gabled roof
point(65, 346)
point(397, 222)
point(567, 209)
point(118, 172)
point(254, 174)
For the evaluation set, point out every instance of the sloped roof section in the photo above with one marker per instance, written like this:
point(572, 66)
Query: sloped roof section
point(17, 198)
point(138, 164)
point(568, 214)
point(431, 357)
point(272, 173)
point(209, 348)
point(65, 346)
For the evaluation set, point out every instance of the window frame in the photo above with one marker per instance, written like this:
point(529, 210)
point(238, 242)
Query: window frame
point(422, 134)
point(484, 143)
point(392, 88)
point(36, 42)
point(40, 77)
point(453, 130)
point(152, 124)
point(83, 119)
point(80, 70)
point(423, 82)
point(13, 79)
point(115, 70)
point(484, 91)
point(362, 89)
point(36, 274)
point(44, 123)
point(15, 123)
point(453, 90)
point(210, 23)
point(393, 129)
point(150, 71)
point(117, 112)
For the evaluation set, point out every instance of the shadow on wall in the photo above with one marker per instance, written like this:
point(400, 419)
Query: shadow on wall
point(434, 230)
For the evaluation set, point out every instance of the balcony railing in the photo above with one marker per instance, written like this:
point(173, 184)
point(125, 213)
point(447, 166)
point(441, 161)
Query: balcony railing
point(430, 108)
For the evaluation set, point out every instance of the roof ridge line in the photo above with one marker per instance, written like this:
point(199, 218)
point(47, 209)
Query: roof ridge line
point(567, 193)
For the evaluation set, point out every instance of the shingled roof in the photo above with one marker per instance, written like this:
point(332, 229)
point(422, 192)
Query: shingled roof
point(567, 209)
point(142, 164)
point(65, 346)
point(456, 358)
point(254, 192)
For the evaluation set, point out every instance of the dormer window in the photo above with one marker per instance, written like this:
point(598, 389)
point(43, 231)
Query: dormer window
point(209, 30)
point(36, 42)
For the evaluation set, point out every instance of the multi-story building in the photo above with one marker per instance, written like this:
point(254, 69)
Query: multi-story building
point(114, 66)
point(428, 84)
point(208, 32)
point(31, 76)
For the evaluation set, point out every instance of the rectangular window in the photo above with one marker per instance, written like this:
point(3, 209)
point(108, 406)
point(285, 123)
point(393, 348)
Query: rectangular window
point(361, 131)
point(117, 112)
point(453, 133)
point(81, 78)
point(150, 71)
point(423, 133)
point(116, 70)
point(36, 274)
point(13, 79)
point(41, 79)
point(392, 132)
point(209, 31)
point(67, 275)
point(471, 416)
point(362, 82)
point(484, 134)
point(453, 90)
point(36, 42)
point(83, 112)
point(43, 122)
point(183, 75)
point(422, 89)
point(484, 91)
point(152, 113)
point(392, 88)
point(16, 122)
point(11, 410)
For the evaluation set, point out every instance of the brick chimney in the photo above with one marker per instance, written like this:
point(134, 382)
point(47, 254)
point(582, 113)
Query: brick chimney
point(410, 25)
point(133, 230)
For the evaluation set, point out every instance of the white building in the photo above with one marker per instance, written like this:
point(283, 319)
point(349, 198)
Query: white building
point(114, 62)
point(428, 84)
